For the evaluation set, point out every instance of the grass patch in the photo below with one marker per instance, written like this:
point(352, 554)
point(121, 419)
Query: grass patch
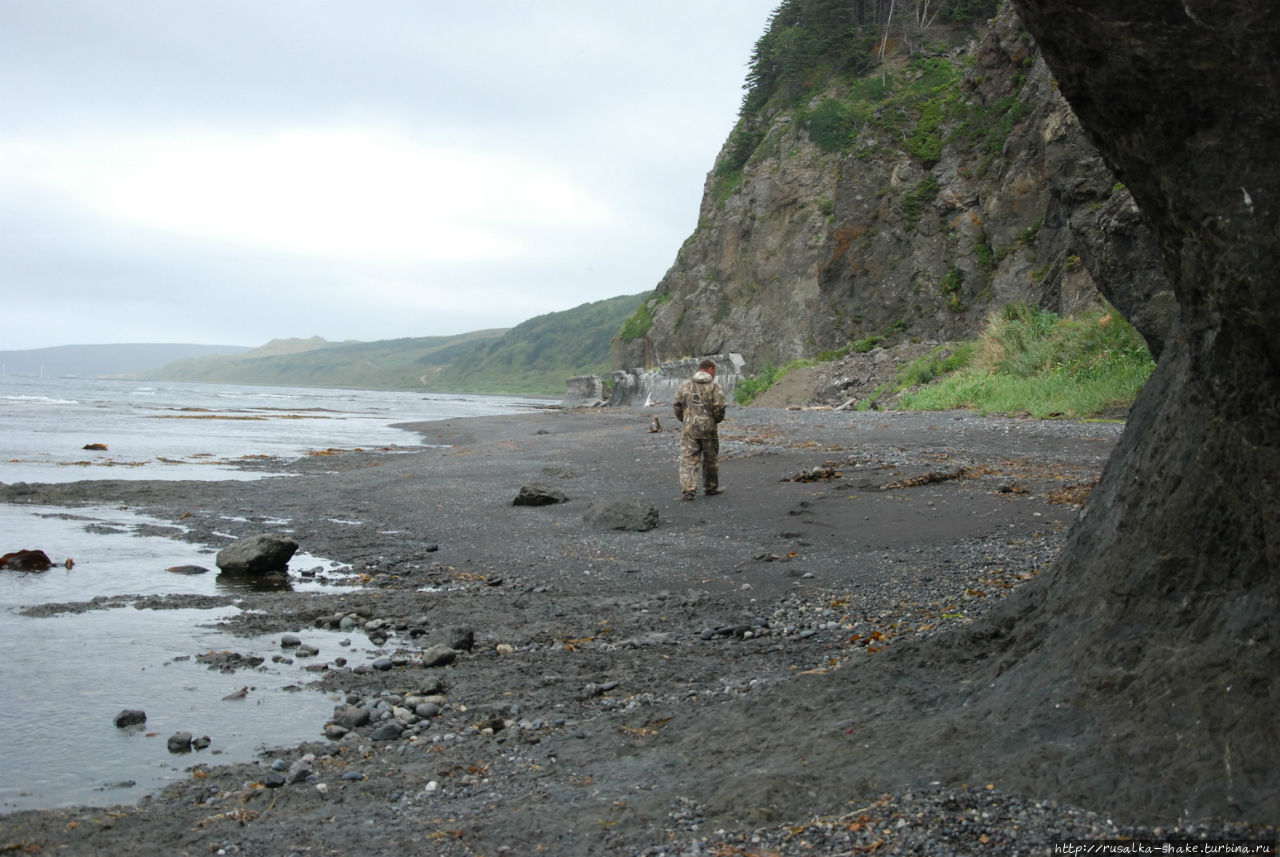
point(639, 322)
point(1031, 361)
point(749, 388)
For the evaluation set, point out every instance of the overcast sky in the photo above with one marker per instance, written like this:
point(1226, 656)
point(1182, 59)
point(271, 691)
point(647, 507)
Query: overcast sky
point(232, 171)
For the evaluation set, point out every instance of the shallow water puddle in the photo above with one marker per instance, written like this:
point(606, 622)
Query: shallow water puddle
point(110, 559)
point(70, 674)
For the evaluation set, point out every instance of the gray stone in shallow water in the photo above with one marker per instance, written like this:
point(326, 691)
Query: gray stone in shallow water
point(257, 554)
point(187, 569)
point(633, 515)
point(180, 742)
point(130, 717)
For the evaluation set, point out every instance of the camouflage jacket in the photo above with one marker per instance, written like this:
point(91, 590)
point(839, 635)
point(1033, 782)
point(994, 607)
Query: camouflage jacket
point(699, 405)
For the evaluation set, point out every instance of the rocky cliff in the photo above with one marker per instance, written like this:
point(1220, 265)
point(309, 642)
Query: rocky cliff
point(949, 180)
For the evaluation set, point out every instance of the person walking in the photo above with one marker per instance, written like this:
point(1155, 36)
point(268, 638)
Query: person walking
point(699, 405)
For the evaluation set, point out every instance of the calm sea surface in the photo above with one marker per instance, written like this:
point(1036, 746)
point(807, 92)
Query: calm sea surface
point(67, 676)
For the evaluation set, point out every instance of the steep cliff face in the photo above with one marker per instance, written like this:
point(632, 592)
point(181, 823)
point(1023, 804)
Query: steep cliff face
point(963, 183)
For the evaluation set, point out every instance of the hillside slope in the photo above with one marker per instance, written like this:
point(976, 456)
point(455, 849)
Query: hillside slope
point(536, 357)
point(93, 361)
point(386, 364)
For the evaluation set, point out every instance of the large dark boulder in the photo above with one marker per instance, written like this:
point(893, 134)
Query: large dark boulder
point(258, 554)
point(26, 560)
point(1152, 644)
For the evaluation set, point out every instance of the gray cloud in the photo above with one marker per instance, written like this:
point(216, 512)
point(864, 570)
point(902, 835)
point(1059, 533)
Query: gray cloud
point(235, 171)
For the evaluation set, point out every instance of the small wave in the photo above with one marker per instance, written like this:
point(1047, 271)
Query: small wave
point(43, 400)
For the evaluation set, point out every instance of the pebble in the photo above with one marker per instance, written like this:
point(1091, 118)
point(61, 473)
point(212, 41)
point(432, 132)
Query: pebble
point(386, 731)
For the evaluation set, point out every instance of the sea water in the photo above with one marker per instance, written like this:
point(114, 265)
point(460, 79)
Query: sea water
point(66, 676)
point(159, 430)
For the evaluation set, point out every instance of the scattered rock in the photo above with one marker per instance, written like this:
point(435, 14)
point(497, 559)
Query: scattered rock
point(459, 637)
point(539, 495)
point(257, 554)
point(352, 717)
point(633, 515)
point(387, 731)
point(180, 742)
point(26, 560)
point(438, 656)
point(97, 447)
point(130, 717)
point(187, 569)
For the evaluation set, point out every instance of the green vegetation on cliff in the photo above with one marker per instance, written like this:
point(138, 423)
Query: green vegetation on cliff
point(809, 42)
point(1029, 360)
point(846, 67)
point(1026, 360)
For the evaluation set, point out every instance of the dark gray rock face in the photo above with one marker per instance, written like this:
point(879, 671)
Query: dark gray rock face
point(257, 554)
point(814, 250)
point(1153, 643)
point(634, 515)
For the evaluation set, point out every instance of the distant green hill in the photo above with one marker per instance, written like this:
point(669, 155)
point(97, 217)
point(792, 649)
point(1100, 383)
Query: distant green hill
point(392, 364)
point(534, 358)
point(97, 361)
point(537, 356)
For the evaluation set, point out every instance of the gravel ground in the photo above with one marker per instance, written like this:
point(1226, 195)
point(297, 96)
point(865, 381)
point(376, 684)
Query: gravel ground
point(718, 685)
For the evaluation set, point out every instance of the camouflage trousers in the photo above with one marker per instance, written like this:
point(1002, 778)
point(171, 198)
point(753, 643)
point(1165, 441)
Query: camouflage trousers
point(695, 451)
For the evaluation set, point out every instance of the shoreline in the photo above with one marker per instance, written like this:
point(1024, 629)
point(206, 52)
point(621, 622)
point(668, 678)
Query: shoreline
point(631, 692)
